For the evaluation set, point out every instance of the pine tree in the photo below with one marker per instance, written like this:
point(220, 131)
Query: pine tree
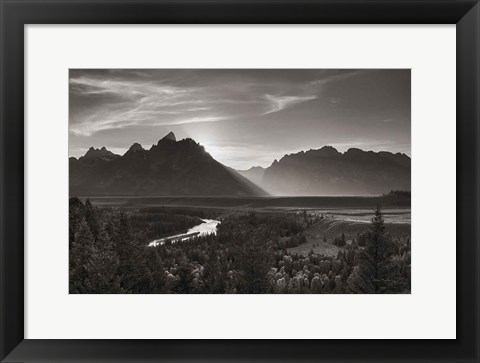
point(80, 252)
point(184, 284)
point(254, 264)
point(156, 271)
point(91, 218)
point(211, 273)
point(372, 274)
point(130, 261)
point(76, 214)
point(102, 266)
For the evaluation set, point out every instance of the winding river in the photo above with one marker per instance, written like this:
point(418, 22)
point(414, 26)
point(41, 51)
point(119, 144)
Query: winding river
point(208, 226)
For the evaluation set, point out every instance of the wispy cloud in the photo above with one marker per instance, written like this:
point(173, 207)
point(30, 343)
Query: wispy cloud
point(121, 99)
point(336, 77)
point(117, 104)
point(192, 120)
point(117, 121)
point(88, 128)
point(279, 103)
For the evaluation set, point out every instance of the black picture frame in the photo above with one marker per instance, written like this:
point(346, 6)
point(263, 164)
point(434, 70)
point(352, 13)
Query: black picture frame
point(15, 14)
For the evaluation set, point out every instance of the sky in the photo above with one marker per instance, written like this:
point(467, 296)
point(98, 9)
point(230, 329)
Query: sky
point(243, 117)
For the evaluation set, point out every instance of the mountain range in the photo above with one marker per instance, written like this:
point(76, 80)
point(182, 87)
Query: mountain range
point(328, 172)
point(169, 168)
point(185, 168)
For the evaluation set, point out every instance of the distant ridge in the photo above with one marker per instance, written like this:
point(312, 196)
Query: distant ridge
point(254, 174)
point(328, 172)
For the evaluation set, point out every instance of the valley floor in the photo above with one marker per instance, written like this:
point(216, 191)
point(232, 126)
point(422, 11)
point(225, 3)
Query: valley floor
point(348, 215)
point(272, 203)
point(320, 236)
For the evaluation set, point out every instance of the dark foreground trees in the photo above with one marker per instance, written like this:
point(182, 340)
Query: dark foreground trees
point(109, 253)
point(379, 264)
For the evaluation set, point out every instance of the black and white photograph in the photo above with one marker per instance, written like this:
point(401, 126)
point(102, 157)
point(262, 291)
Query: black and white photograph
point(239, 181)
point(177, 176)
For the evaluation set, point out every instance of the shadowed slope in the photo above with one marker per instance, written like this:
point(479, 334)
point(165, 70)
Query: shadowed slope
point(170, 168)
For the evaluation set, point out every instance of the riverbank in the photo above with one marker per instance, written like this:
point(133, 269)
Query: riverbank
point(209, 226)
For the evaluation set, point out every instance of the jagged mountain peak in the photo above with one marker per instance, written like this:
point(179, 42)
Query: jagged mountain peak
point(136, 147)
point(326, 151)
point(170, 136)
point(102, 153)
